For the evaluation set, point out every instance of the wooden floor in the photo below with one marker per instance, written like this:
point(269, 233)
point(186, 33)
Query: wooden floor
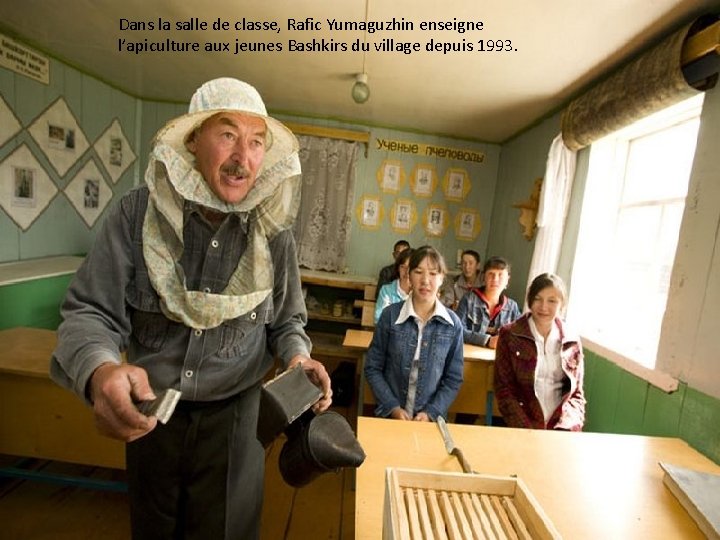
point(33, 510)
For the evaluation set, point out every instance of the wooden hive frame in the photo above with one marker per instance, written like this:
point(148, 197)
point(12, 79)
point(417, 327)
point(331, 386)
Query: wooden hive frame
point(432, 505)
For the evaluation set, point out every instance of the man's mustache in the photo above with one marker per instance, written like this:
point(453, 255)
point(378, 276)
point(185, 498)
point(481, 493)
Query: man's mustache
point(235, 170)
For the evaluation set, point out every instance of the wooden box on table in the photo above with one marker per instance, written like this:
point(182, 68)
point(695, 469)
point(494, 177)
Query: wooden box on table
point(440, 505)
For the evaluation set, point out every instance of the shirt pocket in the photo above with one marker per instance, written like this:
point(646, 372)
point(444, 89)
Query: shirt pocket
point(151, 330)
point(242, 332)
point(440, 342)
point(150, 327)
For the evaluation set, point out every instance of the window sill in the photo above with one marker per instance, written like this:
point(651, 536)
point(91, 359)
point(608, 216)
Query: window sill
point(660, 380)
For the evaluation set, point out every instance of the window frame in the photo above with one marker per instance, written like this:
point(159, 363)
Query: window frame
point(679, 113)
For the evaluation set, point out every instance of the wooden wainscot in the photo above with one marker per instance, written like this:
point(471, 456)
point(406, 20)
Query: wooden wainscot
point(441, 505)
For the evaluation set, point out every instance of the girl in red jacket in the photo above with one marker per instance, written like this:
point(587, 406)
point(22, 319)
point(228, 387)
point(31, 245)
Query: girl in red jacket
point(539, 364)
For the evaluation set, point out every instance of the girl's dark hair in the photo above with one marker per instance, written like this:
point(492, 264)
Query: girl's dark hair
point(474, 254)
point(544, 281)
point(403, 256)
point(431, 253)
point(498, 263)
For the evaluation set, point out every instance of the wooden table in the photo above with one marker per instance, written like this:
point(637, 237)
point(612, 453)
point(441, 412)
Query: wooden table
point(333, 279)
point(476, 392)
point(591, 485)
point(38, 418)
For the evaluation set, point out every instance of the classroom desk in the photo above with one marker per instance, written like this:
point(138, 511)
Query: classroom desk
point(476, 392)
point(591, 485)
point(334, 279)
point(38, 418)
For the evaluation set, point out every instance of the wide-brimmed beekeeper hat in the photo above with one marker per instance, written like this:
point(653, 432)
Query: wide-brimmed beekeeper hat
point(172, 180)
point(233, 96)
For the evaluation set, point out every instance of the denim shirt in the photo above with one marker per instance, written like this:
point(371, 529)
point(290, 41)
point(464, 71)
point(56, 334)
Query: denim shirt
point(475, 317)
point(389, 360)
point(111, 307)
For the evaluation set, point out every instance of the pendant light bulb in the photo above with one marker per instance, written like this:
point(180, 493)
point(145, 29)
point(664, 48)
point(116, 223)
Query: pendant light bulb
point(360, 90)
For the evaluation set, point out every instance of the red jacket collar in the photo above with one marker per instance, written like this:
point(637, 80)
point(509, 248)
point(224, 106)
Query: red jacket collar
point(480, 293)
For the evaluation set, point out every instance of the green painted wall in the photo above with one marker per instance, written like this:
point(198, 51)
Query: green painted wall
point(34, 303)
point(619, 402)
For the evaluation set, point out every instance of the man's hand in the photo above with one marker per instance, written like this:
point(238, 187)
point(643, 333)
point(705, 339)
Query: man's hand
point(113, 388)
point(317, 373)
point(492, 342)
point(422, 417)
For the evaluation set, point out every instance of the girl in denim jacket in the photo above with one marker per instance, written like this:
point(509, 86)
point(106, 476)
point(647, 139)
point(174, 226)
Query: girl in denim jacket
point(415, 362)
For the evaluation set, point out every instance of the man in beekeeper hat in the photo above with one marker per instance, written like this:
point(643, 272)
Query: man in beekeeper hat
point(195, 276)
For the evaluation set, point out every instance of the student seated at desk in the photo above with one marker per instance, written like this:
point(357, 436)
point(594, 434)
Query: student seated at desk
point(389, 272)
point(483, 311)
point(470, 277)
point(414, 365)
point(539, 364)
point(398, 289)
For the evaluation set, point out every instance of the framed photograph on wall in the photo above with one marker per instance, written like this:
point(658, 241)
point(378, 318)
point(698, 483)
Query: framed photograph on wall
point(423, 180)
point(370, 212)
point(24, 189)
point(403, 216)
point(467, 224)
point(61, 138)
point(456, 184)
point(89, 193)
point(435, 220)
point(391, 176)
point(58, 134)
point(114, 151)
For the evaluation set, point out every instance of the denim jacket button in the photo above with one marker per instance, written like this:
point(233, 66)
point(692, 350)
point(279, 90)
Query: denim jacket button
point(198, 333)
point(214, 243)
point(189, 373)
point(253, 316)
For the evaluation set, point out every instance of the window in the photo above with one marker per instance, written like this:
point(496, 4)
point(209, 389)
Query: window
point(632, 209)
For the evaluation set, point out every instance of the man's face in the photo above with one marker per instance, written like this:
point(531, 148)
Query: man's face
point(229, 149)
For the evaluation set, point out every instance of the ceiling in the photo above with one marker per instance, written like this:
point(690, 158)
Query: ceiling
point(561, 46)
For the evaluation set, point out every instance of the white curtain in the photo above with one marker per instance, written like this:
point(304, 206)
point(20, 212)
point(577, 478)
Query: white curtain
point(552, 211)
point(322, 229)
